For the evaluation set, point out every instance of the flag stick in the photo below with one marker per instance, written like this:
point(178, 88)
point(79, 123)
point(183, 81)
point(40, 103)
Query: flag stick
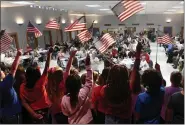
point(157, 42)
point(1, 34)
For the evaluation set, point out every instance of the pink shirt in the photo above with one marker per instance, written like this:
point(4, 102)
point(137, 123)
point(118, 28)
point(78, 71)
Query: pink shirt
point(168, 92)
point(81, 114)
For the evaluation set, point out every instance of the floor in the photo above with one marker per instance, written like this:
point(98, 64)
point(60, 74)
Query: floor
point(161, 59)
point(166, 68)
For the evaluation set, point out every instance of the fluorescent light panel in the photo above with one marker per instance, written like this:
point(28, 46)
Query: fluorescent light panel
point(93, 5)
point(177, 7)
point(104, 9)
point(22, 2)
point(172, 10)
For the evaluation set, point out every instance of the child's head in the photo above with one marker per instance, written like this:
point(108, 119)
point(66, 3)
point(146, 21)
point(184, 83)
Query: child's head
point(73, 85)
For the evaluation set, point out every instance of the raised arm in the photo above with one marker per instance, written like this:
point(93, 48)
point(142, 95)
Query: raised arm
point(48, 60)
point(89, 79)
point(136, 67)
point(70, 61)
point(15, 63)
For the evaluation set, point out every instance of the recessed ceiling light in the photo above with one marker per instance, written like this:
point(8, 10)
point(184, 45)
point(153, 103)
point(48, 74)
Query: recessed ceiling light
point(177, 7)
point(143, 3)
point(182, 2)
point(172, 10)
point(93, 5)
point(104, 9)
point(22, 2)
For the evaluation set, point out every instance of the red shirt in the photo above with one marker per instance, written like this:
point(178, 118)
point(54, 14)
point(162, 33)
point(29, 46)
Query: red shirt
point(36, 97)
point(147, 57)
point(114, 52)
point(97, 99)
point(122, 110)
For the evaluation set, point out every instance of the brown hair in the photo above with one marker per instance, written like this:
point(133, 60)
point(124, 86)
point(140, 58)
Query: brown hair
point(118, 89)
point(176, 78)
point(55, 77)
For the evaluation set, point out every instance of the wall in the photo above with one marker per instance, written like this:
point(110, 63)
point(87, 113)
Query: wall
point(157, 19)
point(10, 15)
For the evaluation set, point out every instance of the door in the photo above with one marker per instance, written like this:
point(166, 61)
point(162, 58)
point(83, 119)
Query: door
point(96, 31)
point(47, 38)
point(31, 40)
point(182, 32)
point(15, 43)
point(168, 30)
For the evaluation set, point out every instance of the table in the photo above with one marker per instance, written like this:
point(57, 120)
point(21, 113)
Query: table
point(127, 62)
point(42, 51)
point(24, 57)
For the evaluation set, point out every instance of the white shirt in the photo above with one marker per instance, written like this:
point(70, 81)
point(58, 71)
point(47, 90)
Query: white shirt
point(144, 65)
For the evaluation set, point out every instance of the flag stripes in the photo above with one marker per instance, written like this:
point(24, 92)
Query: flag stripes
point(164, 39)
point(104, 43)
point(84, 36)
point(33, 29)
point(76, 27)
point(159, 40)
point(5, 42)
point(130, 7)
point(53, 24)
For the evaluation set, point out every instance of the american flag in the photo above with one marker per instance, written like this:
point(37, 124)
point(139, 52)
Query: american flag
point(165, 39)
point(127, 8)
point(86, 34)
point(53, 24)
point(5, 42)
point(33, 29)
point(76, 25)
point(104, 43)
point(159, 40)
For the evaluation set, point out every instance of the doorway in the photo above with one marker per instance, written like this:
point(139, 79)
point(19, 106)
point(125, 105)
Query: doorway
point(15, 42)
point(47, 38)
point(168, 30)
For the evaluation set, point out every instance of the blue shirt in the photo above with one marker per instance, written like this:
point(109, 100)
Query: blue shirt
point(10, 104)
point(149, 107)
point(170, 47)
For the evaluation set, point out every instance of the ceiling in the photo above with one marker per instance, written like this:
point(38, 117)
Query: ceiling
point(79, 7)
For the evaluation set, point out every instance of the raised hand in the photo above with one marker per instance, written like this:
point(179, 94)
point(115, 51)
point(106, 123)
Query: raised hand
point(157, 67)
point(88, 60)
point(139, 47)
point(51, 50)
point(73, 53)
point(19, 52)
